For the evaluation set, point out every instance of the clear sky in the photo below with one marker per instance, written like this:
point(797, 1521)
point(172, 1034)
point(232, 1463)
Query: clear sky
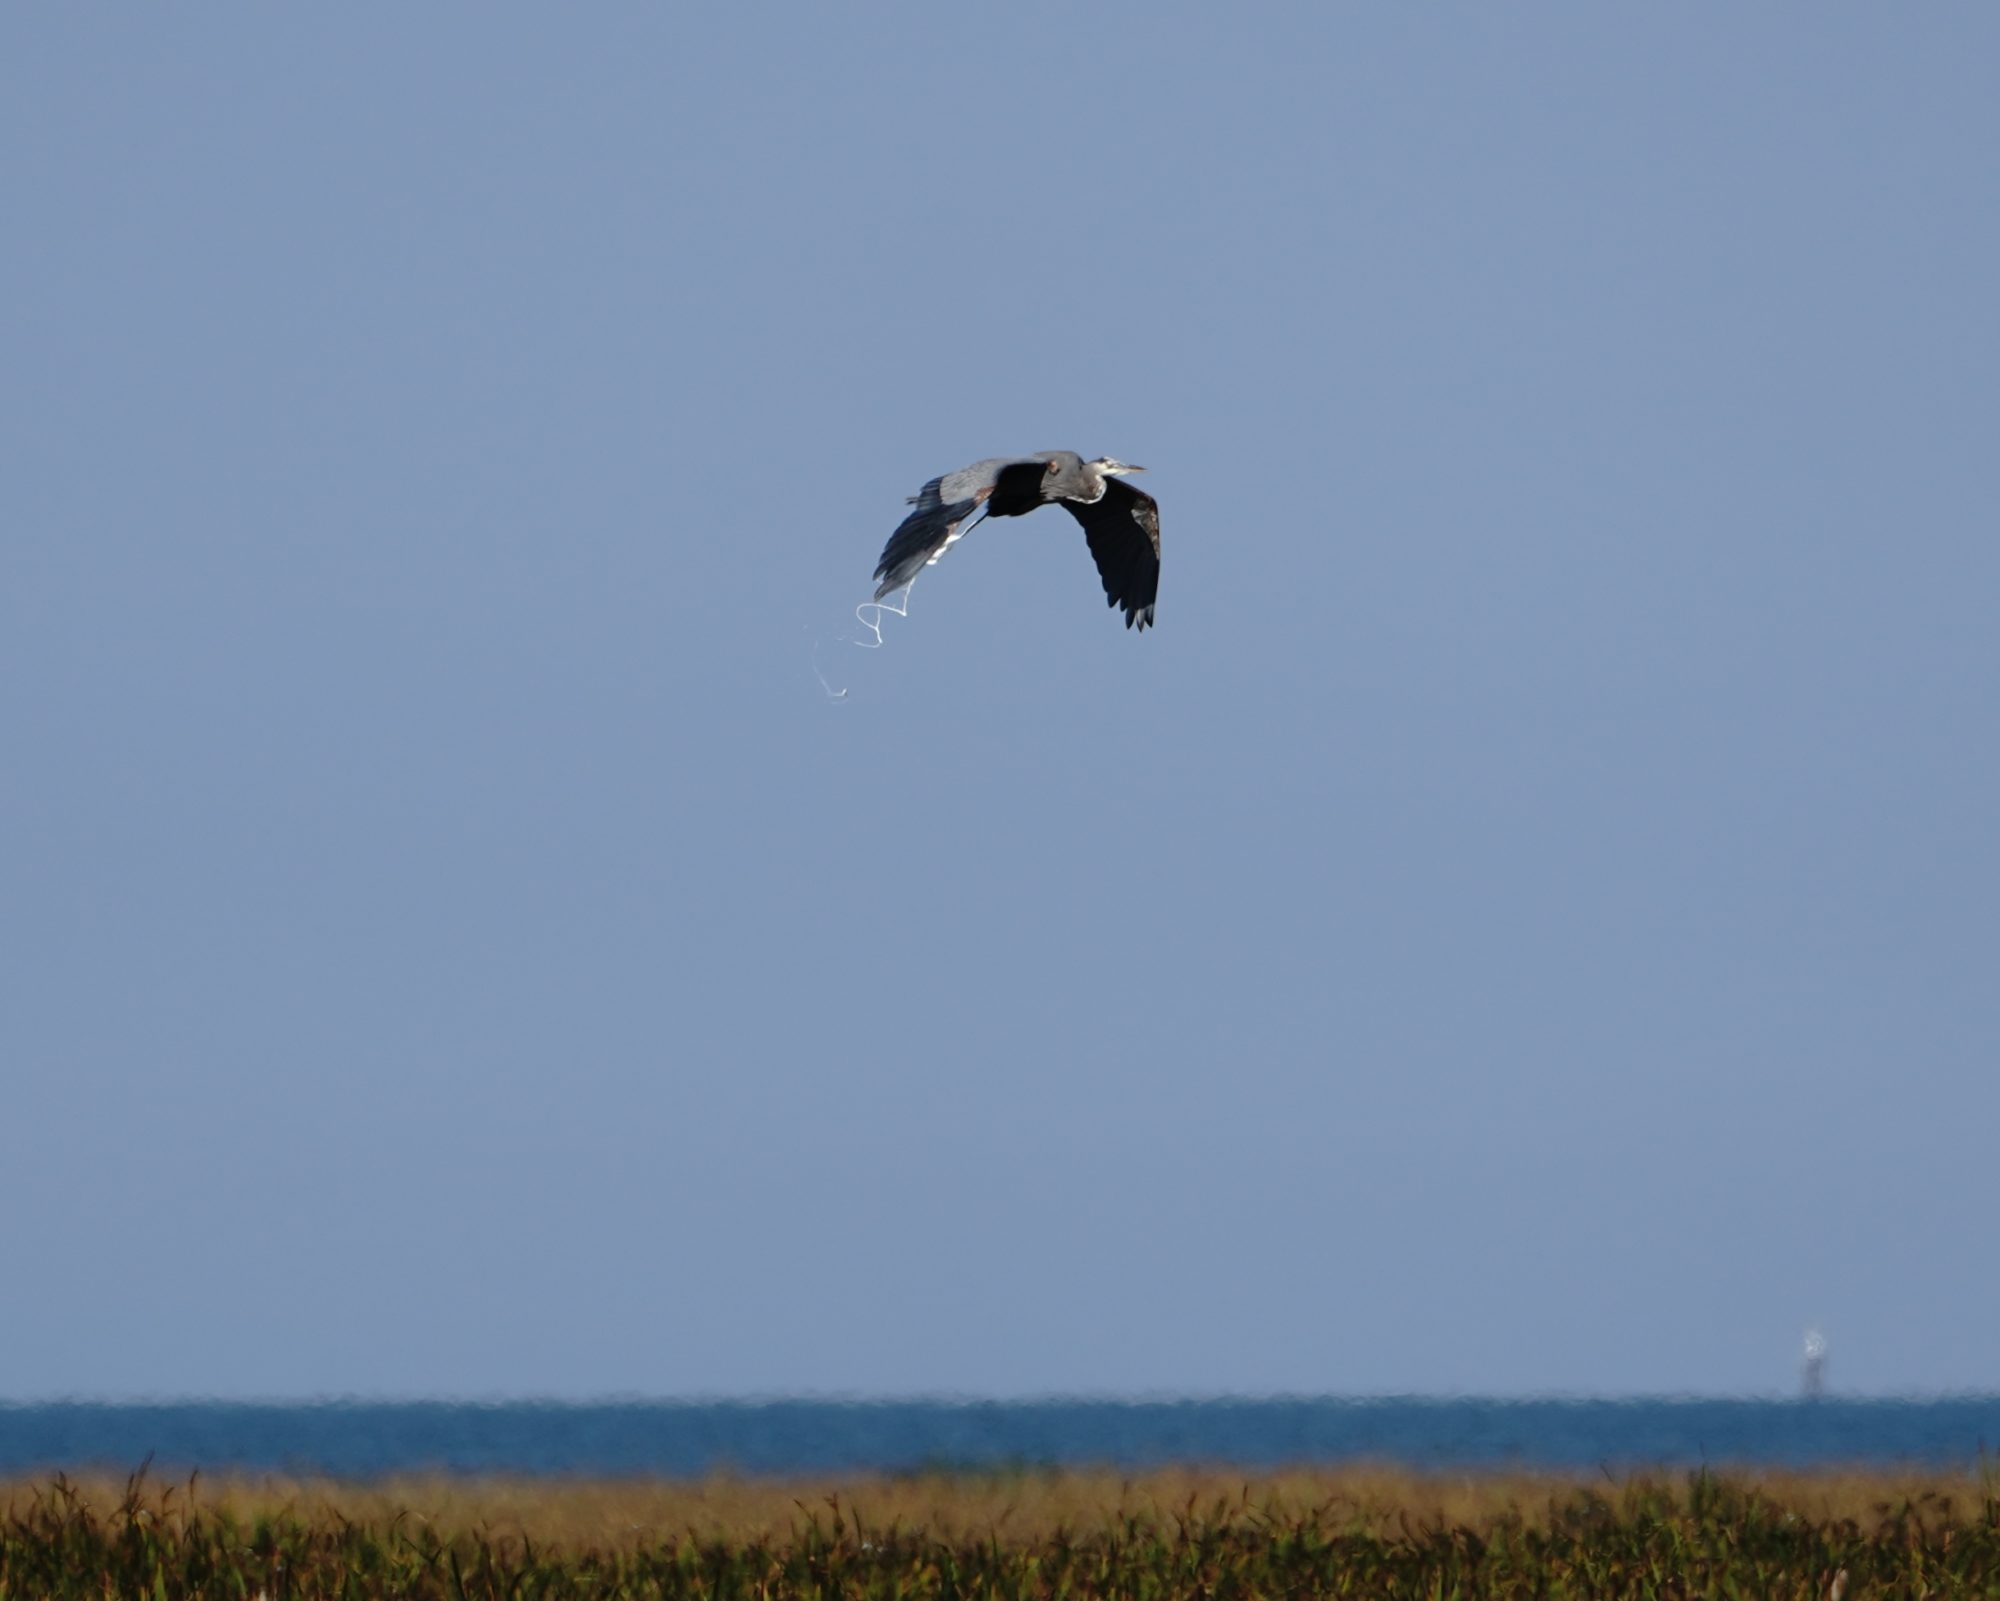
point(1527, 919)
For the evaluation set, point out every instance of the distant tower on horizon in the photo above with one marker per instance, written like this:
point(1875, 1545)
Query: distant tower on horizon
point(1812, 1370)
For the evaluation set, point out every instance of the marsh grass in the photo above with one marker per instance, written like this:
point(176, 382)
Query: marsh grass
point(1026, 1533)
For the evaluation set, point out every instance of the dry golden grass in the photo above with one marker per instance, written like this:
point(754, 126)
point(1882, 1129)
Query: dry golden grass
point(1016, 1509)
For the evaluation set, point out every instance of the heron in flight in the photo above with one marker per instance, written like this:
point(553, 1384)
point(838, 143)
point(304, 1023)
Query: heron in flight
point(1121, 523)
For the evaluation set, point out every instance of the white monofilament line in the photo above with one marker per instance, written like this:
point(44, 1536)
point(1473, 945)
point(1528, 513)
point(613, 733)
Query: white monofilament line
point(869, 615)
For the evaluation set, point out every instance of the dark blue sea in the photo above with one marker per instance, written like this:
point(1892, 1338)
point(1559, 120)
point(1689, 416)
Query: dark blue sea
point(361, 1439)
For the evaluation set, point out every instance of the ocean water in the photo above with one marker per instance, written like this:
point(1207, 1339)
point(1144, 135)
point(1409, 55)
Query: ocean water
point(361, 1439)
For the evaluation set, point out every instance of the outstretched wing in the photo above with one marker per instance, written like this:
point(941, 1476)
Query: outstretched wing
point(924, 535)
point(1123, 528)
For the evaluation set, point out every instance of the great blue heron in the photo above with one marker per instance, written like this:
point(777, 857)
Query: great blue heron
point(1121, 523)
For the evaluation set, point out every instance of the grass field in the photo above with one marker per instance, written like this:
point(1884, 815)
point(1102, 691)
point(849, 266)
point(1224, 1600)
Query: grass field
point(1348, 1532)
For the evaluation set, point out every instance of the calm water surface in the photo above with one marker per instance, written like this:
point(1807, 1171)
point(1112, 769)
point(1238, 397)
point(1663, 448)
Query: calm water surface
point(365, 1439)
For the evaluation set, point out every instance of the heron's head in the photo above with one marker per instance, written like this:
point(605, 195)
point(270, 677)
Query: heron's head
point(1069, 477)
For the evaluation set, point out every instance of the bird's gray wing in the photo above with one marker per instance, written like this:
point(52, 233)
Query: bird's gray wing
point(1123, 528)
point(924, 535)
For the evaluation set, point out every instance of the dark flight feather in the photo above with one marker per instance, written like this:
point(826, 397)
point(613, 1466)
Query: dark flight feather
point(921, 537)
point(1123, 529)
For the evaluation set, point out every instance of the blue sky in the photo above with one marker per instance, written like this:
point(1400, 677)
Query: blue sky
point(1524, 921)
